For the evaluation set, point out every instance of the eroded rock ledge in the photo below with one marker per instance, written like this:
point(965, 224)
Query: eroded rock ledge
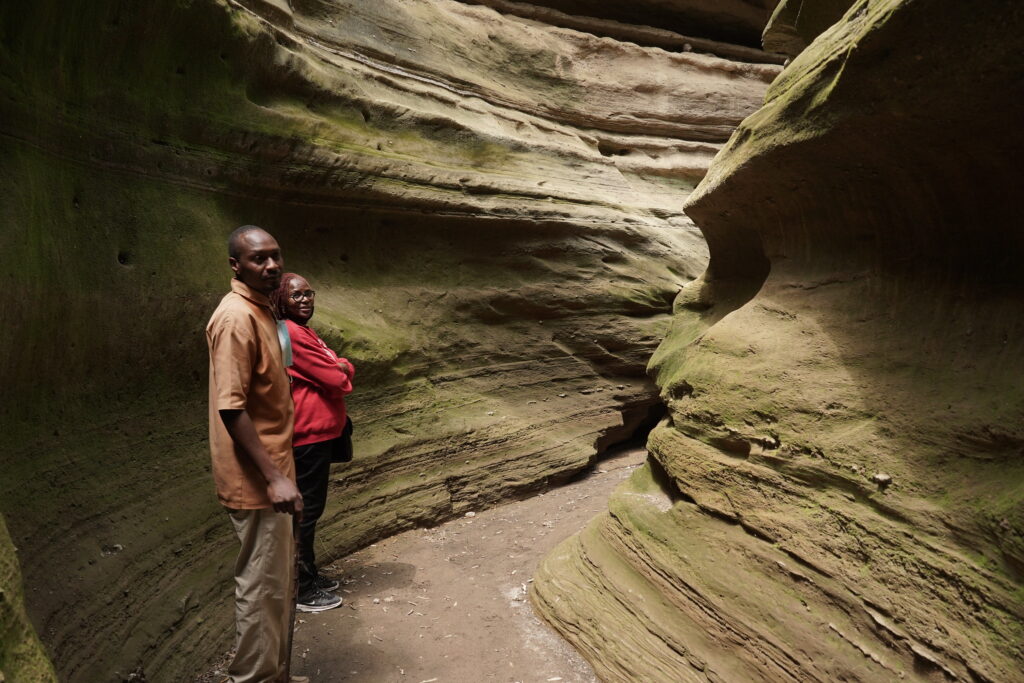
point(737, 22)
point(839, 491)
point(489, 208)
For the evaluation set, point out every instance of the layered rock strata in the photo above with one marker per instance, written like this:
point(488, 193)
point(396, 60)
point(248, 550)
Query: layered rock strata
point(488, 207)
point(738, 22)
point(649, 32)
point(838, 491)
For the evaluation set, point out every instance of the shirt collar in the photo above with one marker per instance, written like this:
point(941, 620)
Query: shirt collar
point(242, 289)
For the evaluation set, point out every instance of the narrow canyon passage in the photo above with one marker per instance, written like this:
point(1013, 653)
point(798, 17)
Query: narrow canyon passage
point(449, 603)
point(791, 225)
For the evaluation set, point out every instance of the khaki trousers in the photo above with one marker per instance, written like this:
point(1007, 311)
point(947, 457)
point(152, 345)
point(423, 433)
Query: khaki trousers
point(263, 594)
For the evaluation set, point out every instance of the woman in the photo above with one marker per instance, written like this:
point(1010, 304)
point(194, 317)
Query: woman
point(320, 381)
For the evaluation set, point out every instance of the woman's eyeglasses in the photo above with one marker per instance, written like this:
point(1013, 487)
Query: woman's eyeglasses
point(299, 296)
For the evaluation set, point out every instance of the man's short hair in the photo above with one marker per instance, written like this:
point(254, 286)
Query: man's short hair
point(235, 238)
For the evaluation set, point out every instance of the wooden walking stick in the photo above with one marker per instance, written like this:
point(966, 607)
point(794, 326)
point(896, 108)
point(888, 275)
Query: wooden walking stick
point(296, 516)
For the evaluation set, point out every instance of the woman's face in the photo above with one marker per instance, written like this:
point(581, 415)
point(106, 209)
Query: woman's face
point(299, 300)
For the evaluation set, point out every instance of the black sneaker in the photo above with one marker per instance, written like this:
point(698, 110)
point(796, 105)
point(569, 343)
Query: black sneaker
point(316, 600)
point(324, 583)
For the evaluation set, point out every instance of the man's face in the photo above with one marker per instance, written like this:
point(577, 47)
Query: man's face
point(259, 261)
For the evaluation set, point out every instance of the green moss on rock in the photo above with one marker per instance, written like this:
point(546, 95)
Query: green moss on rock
point(844, 439)
point(22, 657)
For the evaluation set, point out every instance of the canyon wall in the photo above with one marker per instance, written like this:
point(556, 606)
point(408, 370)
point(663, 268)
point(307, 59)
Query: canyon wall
point(488, 206)
point(838, 490)
point(22, 657)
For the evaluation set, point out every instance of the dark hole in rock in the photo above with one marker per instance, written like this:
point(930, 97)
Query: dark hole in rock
point(731, 445)
point(609, 150)
point(124, 258)
point(613, 257)
point(638, 421)
point(665, 482)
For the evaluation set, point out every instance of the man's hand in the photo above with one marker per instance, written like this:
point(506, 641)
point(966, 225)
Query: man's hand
point(284, 496)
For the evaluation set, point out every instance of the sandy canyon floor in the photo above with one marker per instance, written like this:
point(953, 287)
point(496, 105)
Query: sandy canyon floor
point(449, 603)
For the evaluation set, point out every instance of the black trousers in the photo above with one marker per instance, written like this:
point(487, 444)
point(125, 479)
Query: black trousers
point(312, 469)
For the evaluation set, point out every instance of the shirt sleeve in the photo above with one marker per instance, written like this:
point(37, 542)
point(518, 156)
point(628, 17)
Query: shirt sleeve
point(232, 355)
point(351, 368)
point(316, 365)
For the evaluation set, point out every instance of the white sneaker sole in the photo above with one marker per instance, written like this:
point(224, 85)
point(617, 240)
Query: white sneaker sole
point(316, 608)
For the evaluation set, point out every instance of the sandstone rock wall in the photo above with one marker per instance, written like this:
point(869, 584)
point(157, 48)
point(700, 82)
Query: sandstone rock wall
point(22, 657)
point(489, 208)
point(838, 493)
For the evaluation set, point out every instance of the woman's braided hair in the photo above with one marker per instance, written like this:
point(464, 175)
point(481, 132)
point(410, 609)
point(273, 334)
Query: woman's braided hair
point(279, 297)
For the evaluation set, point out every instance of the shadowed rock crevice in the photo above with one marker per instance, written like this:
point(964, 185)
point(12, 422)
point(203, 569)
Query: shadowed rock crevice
point(647, 32)
point(637, 424)
point(735, 22)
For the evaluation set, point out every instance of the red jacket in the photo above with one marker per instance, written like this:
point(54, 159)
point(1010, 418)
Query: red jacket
point(320, 382)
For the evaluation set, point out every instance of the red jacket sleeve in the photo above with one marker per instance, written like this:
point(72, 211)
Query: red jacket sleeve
point(315, 364)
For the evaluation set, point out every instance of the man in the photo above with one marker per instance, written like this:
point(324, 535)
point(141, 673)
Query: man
point(251, 419)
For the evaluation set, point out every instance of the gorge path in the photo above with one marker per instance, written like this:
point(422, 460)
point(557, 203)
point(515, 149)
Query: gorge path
point(449, 603)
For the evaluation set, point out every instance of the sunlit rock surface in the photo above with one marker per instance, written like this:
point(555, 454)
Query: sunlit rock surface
point(489, 207)
point(22, 657)
point(839, 491)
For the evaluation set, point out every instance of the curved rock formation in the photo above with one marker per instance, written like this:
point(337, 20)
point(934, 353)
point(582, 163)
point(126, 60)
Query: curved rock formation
point(21, 654)
point(839, 491)
point(488, 206)
point(795, 24)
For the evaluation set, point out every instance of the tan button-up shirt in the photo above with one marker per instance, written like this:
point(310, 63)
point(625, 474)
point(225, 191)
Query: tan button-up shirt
point(247, 372)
